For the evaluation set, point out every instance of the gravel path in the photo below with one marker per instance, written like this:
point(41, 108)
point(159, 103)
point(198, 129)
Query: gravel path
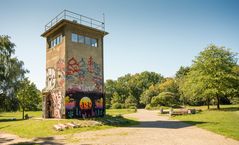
point(152, 130)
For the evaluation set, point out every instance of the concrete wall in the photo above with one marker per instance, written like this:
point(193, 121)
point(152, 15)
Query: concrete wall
point(74, 74)
point(84, 75)
point(55, 77)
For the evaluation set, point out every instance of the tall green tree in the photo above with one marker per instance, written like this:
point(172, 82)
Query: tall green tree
point(28, 96)
point(149, 93)
point(180, 78)
point(11, 73)
point(212, 75)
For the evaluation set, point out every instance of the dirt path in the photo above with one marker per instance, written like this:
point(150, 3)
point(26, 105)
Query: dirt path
point(152, 130)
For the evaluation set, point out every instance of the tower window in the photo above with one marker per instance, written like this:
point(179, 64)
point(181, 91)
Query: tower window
point(87, 41)
point(84, 40)
point(81, 39)
point(93, 42)
point(74, 37)
point(56, 41)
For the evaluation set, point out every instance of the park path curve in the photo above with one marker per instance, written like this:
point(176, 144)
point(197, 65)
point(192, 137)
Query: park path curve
point(152, 130)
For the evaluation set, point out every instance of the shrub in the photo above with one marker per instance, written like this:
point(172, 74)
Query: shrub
point(148, 107)
point(107, 106)
point(117, 106)
point(133, 107)
point(164, 99)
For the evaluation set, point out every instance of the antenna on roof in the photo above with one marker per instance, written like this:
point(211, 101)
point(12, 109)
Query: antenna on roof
point(103, 21)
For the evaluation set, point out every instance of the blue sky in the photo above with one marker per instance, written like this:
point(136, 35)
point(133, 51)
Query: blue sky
point(152, 35)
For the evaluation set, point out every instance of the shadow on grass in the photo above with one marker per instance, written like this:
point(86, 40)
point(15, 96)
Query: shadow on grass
point(167, 124)
point(10, 120)
point(117, 121)
point(5, 140)
point(226, 109)
point(40, 141)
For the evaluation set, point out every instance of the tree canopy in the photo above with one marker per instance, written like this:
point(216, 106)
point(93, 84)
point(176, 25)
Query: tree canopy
point(211, 76)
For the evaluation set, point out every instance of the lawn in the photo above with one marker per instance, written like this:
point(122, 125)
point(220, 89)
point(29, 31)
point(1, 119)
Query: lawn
point(224, 121)
point(42, 128)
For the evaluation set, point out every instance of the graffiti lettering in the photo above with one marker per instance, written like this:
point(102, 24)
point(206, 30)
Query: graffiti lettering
point(50, 78)
point(72, 66)
point(57, 103)
point(84, 77)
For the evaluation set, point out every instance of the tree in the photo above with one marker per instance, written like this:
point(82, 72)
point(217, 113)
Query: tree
point(165, 99)
point(212, 75)
point(180, 78)
point(130, 101)
point(182, 72)
point(128, 86)
point(11, 73)
point(28, 96)
point(149, 93)
point(169, 85)
point(109, 91)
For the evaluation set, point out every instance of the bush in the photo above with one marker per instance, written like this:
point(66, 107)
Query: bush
point(148, 107)
point(117, 106)
point(164, 99)
point(107, 106)
point(133, 107)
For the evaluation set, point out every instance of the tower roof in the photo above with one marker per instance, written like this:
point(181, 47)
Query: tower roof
point(68, 17)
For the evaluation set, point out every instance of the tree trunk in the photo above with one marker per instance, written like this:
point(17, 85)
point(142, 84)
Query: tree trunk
point(23, 109)
point(218, 102)
point(208, 104)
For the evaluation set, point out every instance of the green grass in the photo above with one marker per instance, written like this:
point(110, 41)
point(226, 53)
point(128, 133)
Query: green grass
point(43, 128)
point(224, 121)
point(119, 111)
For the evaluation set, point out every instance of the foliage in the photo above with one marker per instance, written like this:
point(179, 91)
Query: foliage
point(183, 71)
point(149, 93)
point(129, 88)
point(130, 102)
point(11, 73)
point(212, 75)
point(28, 96)
point(165, 99)
point(118, 106)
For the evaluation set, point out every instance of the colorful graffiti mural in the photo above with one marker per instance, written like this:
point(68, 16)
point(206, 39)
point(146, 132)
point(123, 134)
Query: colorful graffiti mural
point(55, 76)
point(82, 76)
point(50, 78)
point(72, 66)
point(57, 103)
point(60, 67)
point(55, 81)
point(84, 104)
point(99, 103)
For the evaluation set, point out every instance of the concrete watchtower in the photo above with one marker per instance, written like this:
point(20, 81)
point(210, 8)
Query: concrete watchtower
point(74, 67)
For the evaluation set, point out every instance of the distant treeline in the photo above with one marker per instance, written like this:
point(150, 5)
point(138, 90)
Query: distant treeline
point(213, 78)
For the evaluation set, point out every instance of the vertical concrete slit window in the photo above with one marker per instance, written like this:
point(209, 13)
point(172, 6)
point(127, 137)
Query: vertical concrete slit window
point(74, 37)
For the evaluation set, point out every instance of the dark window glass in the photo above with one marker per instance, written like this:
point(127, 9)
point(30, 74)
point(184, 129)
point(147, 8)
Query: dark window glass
point(74, 37)
point(87, 41)
point(81, 39)
point(94, 42)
